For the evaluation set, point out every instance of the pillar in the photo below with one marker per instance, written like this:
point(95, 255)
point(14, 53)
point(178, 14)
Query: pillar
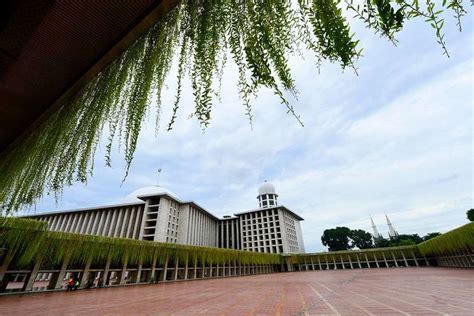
point(6, 262)
point(165, 269)
point(85, 274)
point(376, 261)
point(312, 264)
point(123, 272)
point(342, 262)
point(195, 268)
point(319, 263)
point(186, 268)
point(367, 260)
point(414, 258)
point(404, 259)
point(358, 260)
point(426, 261)
point(58, 279)
point(139, 271)
point(176, 269)
point(105, 277)
point(394, 259)
point(350, 261)
point(153, 268)
point(385, 259)
point(30, 279)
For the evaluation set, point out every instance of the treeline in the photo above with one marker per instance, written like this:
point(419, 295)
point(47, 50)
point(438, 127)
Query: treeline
point(344, 238)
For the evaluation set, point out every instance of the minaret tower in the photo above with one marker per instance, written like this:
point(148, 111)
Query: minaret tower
point(392, 233)
point(374, 228)
point(267, 196)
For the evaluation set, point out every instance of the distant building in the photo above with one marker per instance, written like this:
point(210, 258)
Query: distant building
point(156, 214)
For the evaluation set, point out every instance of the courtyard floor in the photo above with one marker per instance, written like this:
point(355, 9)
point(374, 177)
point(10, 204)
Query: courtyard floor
point(421, 291)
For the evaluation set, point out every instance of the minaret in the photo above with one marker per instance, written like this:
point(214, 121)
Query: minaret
point(267, 196)
point(391, 231)
point(374, 228)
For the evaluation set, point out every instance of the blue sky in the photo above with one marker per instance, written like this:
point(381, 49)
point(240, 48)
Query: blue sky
point(396, 139)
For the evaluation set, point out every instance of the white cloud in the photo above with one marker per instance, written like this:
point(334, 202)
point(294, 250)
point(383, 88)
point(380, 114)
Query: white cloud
point(397, 139)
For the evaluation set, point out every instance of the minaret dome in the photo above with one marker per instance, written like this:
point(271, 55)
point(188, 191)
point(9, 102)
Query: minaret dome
point(267, 196)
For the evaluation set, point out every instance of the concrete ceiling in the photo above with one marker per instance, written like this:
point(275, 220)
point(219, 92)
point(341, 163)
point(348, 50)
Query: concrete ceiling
point(49, 49)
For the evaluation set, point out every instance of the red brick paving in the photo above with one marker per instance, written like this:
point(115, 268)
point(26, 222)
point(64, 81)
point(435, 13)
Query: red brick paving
point(420, 291)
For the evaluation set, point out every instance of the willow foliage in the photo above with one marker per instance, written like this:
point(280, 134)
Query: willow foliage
point(457, 240)
point(259, 36)
point(29, 240)
point(354, 255)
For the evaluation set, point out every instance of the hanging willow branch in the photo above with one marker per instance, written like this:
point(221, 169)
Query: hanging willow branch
point(259, 35)
point(29, 239)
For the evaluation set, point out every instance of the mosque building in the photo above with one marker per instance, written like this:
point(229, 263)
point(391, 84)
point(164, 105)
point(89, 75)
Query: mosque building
point(157, 214)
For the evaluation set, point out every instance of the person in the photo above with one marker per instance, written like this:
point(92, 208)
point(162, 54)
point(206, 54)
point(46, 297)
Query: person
point(70, 284)
point(76, 284)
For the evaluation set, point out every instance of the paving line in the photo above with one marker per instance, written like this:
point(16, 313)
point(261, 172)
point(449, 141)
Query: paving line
point(405, 302)
point(378, 302)
point(410, 289)
point(325, 301)
point(356, 305)
point(399, 291)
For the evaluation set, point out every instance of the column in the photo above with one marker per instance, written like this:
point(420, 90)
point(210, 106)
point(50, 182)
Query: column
point(85, 274)
point(139, 271)
point(342, 262)
point(176, 269)
point(385, 259)
point(195, 268)
point(367, 260)
point(358, 260)
point(105, 277)
point(376, 261)
point(404, 259)
point(30, 279)
point(414, 258)
point(58, 280)
point(165, 269)
point(186, 268)
point(394, 259)
point(6, 262)
point(319, 263)
point(153, 268)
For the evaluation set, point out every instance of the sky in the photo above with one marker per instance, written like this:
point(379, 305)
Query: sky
point(396, 139)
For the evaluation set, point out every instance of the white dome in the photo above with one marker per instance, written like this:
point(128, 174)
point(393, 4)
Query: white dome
point(266, 188)
point(149, 190)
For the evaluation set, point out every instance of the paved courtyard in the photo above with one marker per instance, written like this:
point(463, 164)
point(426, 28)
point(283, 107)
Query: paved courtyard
point(427, 291)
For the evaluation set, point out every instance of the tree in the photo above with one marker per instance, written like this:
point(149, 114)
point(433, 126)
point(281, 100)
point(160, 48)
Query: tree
point(336, 238)
point(361, 239)
point(381, 242)
point(431, 235)
point(405, 242)
point(470, 215)
point(259, 36)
